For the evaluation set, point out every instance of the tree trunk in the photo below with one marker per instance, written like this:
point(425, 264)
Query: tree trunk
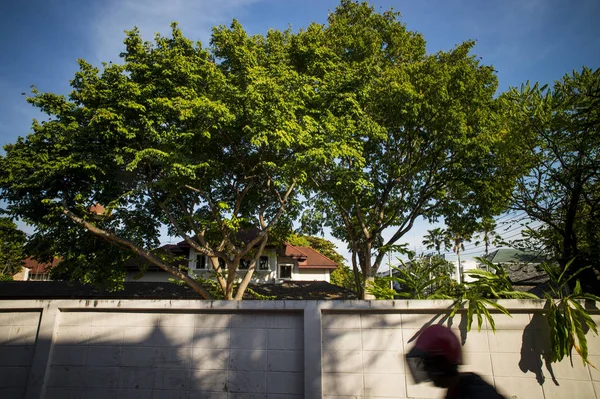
point(356, 271)
point(458, 268)
point(369, 281)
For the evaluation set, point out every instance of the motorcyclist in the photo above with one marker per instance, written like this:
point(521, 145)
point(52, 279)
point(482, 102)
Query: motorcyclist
point(436, 356)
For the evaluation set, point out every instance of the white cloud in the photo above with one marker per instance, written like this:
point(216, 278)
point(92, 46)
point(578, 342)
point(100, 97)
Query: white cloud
point(196, 18)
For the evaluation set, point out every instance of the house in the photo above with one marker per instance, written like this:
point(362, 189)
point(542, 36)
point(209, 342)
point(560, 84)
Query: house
point(522, 268)
point(284, 263)
point(466, 265)
point(35, 271)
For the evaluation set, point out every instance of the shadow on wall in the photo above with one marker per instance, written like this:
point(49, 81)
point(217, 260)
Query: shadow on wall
point(150, 355)
point(363, 355)
point(18, 333)
point(535, 349)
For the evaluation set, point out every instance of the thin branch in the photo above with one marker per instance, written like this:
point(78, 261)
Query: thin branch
point(139, 251)
point(272, 222)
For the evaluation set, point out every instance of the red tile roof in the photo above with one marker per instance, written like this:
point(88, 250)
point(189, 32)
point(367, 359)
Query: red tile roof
point(36, 267)
point(308, 258)
point(97, 209)
point(294, 252)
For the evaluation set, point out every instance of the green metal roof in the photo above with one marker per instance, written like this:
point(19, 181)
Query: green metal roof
point(510, 255)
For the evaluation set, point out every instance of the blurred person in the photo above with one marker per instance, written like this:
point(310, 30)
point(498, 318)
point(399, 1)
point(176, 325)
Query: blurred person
point(436, 356)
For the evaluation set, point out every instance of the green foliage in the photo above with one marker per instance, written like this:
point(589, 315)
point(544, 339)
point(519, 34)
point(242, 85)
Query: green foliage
point(206, 142)
point(12, 242)
point(567, 316)
point(404, 134)
point(557, 131)
point(343, 277)
point(486, 230)
point(420, 278)
point(260, 297)
point(436, 239)
point(381, 288)
point(481, 294)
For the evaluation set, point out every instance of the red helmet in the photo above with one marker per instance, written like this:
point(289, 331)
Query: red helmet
point(434, 342)
point(437, 340)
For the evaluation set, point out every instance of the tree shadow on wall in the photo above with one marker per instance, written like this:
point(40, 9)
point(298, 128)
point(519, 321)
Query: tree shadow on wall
point(536, 350)
point(177, 355)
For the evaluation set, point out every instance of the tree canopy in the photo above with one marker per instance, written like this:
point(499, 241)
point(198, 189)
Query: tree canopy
point(205, 141)
point(350, 122)
point(559, 132)
point(408, 134)
point(12, 252)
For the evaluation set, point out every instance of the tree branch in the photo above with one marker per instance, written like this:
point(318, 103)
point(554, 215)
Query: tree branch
point(248, 276)
point(139, 251)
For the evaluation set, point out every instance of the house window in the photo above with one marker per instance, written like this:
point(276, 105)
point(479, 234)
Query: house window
point(200, 262)
point(264, 263)
point(285, 271)
point(244, 264)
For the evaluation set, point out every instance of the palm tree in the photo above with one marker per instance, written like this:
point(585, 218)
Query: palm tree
point(458, 244)
point(435, 239)
point(487, 233)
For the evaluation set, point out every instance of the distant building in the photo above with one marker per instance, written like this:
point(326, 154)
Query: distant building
point(35, 271)
point(285, 263)
point(522, 268)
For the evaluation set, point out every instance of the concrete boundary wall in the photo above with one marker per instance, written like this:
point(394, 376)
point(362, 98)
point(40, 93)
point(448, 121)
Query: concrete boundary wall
point(267, 349)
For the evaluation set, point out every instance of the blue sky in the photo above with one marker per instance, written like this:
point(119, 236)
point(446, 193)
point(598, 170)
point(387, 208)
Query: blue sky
point(537, 40)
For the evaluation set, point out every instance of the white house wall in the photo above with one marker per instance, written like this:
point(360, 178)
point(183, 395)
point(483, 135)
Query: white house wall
point(311, 275)
point(259, 275)
point(469, 264)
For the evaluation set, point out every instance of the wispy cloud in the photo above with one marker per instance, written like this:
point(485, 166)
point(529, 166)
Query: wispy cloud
point(195, 17)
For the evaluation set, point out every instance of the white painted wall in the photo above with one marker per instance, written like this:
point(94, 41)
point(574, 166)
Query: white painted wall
point(468, 264)
point(286, 349)
point(259, 276)
point(312, 275)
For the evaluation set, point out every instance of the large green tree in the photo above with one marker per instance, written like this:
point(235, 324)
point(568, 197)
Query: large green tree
point(404, 134)
point(558, 128)
point(12, 253)
point(204, 141)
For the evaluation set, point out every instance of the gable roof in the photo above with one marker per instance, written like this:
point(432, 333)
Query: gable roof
point(36, 267)
point(315, 260)
point(521, 266)
point(308, 258)
point(295, 252)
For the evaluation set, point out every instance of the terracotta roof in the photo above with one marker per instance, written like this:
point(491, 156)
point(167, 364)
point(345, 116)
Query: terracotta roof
point(294, 252)
point(36, 267)
point(315, 260)
point(97, 209)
